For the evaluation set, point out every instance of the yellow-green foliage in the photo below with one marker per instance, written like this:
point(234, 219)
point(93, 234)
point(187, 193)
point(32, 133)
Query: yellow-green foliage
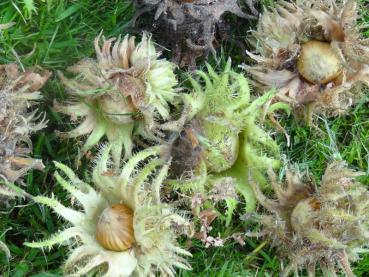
point(224, 122)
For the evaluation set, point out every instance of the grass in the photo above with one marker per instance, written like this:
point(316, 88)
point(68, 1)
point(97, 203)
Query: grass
point(55, 34)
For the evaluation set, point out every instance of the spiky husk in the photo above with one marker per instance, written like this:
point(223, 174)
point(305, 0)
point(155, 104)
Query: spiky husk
point(190, 28)
point(156, 225)
point(311, 226)
point(223, 137)
point(282, 31)
point(18, 92)
point(121, 94)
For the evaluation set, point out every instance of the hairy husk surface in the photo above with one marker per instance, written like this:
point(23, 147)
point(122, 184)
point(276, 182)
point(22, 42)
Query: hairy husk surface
point(314, 54)
point(324, 226)
point(121, 95)
point(223, 141)
point(18, 92)
point(156, 225)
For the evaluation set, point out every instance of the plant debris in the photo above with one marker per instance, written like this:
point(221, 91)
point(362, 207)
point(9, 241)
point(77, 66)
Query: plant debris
point(190, 27)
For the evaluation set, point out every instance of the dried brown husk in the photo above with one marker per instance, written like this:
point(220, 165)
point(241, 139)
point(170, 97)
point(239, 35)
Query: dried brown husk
point(19, 91)
point(191, 27)
point(313, 225)
point(280, 34)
